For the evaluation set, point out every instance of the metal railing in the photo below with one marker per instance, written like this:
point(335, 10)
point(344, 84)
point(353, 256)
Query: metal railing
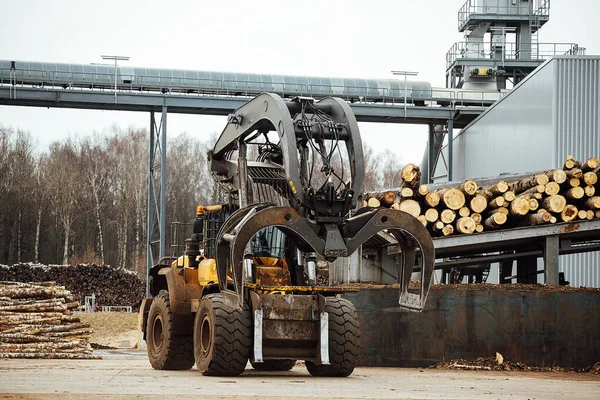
point(538, 8)
point(510, 51)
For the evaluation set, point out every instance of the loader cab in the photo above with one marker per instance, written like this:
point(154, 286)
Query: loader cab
point(269, 266)
point(268, 250)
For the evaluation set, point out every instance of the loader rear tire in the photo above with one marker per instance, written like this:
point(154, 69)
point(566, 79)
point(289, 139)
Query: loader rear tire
point(274, 365)
point(222, 337)
point(166, 350)
point(344, 340)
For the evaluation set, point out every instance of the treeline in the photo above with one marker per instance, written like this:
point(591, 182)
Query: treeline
point(85, 200)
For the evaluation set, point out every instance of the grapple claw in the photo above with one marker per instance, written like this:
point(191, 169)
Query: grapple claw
point(416, 252)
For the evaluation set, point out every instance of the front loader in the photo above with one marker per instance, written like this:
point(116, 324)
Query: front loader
point(246, 288)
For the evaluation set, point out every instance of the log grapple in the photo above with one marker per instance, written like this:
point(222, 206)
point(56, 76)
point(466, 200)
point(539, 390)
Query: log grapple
point(299, 186)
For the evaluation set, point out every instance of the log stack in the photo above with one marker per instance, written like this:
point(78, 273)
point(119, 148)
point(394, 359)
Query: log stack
point(566, 194)
point(111, 286)
point(37, 321)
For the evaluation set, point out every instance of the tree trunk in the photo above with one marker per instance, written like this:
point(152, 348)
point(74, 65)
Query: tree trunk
point(552, 188)
point(571, 163)
point(447, 216)
point(38, 225)
point(499, 201)
point(574, 173)
point(432, 199)
point(555, 203)
point(568, 213)
point(532, 181)
point(589, 191)
point(465, 225)
point(575, 193)
point(448, 230)
point(509, 195)
point(499, 188)
point(453, 198)
point(67, 228)
point(468, 187)
point(99, 225)
point(590, 164)
point(536, 219)
point(412, 207)
point(593, 203)
point(557, 175)
point(478, 203)
point(495, 221)
point(411, 175)
point(386, 198)
point(19, 224)
point(464, 211)
point(431, 214)
point(590, 178)
point(533, 204)
point(519, 206)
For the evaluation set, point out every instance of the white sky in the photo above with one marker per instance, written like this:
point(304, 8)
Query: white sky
point(362, 39)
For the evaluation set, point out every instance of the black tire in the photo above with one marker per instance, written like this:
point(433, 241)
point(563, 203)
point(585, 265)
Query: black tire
point(167, 350)
point(221, 337)
point(274, 365)
point(344, 340)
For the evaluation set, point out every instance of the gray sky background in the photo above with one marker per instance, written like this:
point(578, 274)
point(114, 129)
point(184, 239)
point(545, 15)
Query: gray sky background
point(363, 39)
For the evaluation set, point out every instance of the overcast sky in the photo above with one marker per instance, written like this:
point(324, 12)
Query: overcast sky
point(363, 39)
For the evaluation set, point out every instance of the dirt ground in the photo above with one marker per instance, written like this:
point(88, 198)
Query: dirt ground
point(128, 375)
point(118, 330)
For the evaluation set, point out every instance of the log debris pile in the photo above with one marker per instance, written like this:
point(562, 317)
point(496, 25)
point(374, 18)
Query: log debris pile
point(566, 194)
point(37, 321)
point(112, 287)
point(494, 364)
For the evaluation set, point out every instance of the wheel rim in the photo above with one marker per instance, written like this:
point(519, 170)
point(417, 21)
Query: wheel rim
point(205, 336)
point(157, 333)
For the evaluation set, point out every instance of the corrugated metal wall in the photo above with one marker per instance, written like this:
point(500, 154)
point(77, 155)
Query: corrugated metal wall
point(576, 120)
point(554, 112)
point(514, 135)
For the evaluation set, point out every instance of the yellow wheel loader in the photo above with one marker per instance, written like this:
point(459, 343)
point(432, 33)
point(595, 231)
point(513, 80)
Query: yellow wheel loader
point(246, 287)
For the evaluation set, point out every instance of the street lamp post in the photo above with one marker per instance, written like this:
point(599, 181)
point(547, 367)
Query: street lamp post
point(116, 59)
point(405, 73)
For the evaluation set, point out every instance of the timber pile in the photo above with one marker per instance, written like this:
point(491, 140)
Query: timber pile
point(567, 194)
point(112, 287)
point(37, 321)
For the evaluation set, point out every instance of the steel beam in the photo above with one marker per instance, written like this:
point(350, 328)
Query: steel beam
point(450, 148)
point(151, 208)
point(163, 183)
point(216, 105)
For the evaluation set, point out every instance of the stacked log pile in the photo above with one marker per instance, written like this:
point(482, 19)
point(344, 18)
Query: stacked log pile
point(566, 194)
point(112, 287)
point(36, 321)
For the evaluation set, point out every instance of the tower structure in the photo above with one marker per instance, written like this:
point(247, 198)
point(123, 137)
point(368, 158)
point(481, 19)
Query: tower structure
point(501, 43)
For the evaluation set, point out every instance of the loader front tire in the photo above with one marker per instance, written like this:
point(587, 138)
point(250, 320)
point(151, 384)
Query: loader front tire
point(221, 337)
point(167, 350)
point(274, 365)
point(344, 340)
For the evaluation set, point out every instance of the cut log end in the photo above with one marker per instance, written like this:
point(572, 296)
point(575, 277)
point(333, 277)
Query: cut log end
point(411, 206)
point(466, 225)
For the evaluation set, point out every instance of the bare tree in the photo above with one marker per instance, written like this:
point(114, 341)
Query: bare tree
point(63, 179)
point(97, 169)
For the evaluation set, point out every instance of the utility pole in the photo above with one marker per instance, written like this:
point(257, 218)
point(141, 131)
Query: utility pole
point(116, 59)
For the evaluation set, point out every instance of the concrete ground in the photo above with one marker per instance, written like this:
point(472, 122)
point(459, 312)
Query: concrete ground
point(128, 375)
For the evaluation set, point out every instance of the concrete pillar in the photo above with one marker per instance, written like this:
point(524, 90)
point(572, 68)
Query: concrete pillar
point(551, 252)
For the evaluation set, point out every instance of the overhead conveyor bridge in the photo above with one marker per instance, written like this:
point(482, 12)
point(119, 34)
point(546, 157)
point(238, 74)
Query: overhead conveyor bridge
point(43, 84)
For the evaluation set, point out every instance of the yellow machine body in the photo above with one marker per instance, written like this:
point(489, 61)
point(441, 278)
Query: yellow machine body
point(207, 271)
